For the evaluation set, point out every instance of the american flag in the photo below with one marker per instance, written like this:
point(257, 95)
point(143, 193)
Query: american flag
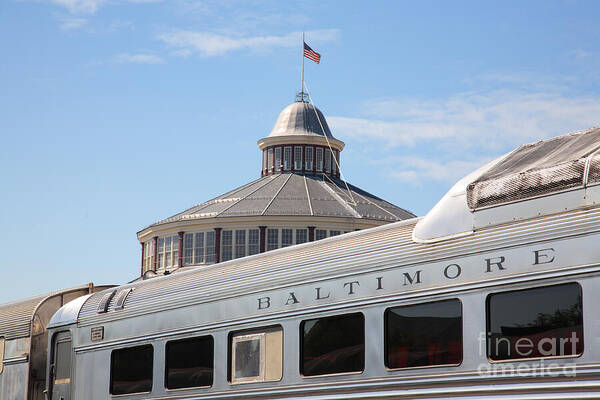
point(311, 54)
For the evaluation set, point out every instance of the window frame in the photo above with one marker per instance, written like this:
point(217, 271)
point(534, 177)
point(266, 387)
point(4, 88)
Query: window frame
point(203, 253)
point(287, 158)
point(385, 336)
point(270, 160)
point(166, 368)
point(298, 159)
point(261, 333)
point(278, 159)
point(262, 360)
point(304, 234)
point(227, 245)
point(288, 234)
point(309, 158)
point(149, 255)
point(319, 159)
point(240, 243)
point(253, 233)
point(488, 324)
point(301, 345)
point(110, 383)
point(168, 258)
point(319, 231)
point(269, 237)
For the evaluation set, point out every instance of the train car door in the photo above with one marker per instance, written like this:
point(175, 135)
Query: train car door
point(61, 371)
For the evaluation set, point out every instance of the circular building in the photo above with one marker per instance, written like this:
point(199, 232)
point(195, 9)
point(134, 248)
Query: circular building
point(298, 198)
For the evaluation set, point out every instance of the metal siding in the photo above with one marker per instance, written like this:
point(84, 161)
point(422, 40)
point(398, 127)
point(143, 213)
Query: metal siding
point(389, 245)
point(16, 317)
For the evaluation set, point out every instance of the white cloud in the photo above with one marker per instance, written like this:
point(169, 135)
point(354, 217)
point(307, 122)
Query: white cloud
point(80, 6)
point(210, 44)
point(73, 23)
point(138, 58)
point(183, 53)
point(91, 6)
point(493, 119)
point(413, 169)
point(442, 140)
point(581, 54)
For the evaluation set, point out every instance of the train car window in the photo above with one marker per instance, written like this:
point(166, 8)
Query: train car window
point(424, 335)
point(550, 325)
point(131, 370)
point(189, 362)
point(333, 345)
point(256, 356)
point(1, 354)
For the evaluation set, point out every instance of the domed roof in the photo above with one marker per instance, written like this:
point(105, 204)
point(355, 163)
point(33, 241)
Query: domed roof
point(295, 194)
point(299, 118)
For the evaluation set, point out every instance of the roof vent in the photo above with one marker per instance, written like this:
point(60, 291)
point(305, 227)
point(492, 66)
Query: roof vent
point(105, 301)
point(121, 297)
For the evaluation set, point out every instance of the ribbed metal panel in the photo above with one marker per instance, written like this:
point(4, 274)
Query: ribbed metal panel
point(295, 194)
point(381, 247)
point(15, 317)
point(536, 169)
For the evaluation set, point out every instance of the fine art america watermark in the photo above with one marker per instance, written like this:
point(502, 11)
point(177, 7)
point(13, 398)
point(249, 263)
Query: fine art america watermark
point(531, 352)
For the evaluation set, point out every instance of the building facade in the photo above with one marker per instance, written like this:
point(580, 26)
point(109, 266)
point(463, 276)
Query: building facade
point(298, 198)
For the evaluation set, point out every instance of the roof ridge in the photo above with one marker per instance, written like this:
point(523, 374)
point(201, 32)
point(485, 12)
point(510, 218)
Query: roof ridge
point(378, 206)
point(339, 198)
point(267, 181)
point(308, 196)
point(276, 194)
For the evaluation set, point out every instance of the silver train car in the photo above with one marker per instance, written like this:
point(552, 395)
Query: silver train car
point(493, 294)
point(24, 341)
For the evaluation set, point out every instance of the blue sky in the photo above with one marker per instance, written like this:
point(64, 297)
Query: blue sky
point(118, 113)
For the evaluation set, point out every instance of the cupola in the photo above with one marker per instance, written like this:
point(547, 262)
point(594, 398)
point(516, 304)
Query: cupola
point(301, 141)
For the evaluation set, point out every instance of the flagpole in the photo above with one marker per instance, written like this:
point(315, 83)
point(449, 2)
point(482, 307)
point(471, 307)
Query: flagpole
point(302, 76)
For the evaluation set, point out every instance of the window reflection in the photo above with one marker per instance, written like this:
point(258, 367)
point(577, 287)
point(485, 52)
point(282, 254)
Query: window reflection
point(423, 334)
point(333, 345)
point(189, 363)
point(550, 325)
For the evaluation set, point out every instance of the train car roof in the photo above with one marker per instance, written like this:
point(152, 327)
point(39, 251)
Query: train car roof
point(16, 317)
